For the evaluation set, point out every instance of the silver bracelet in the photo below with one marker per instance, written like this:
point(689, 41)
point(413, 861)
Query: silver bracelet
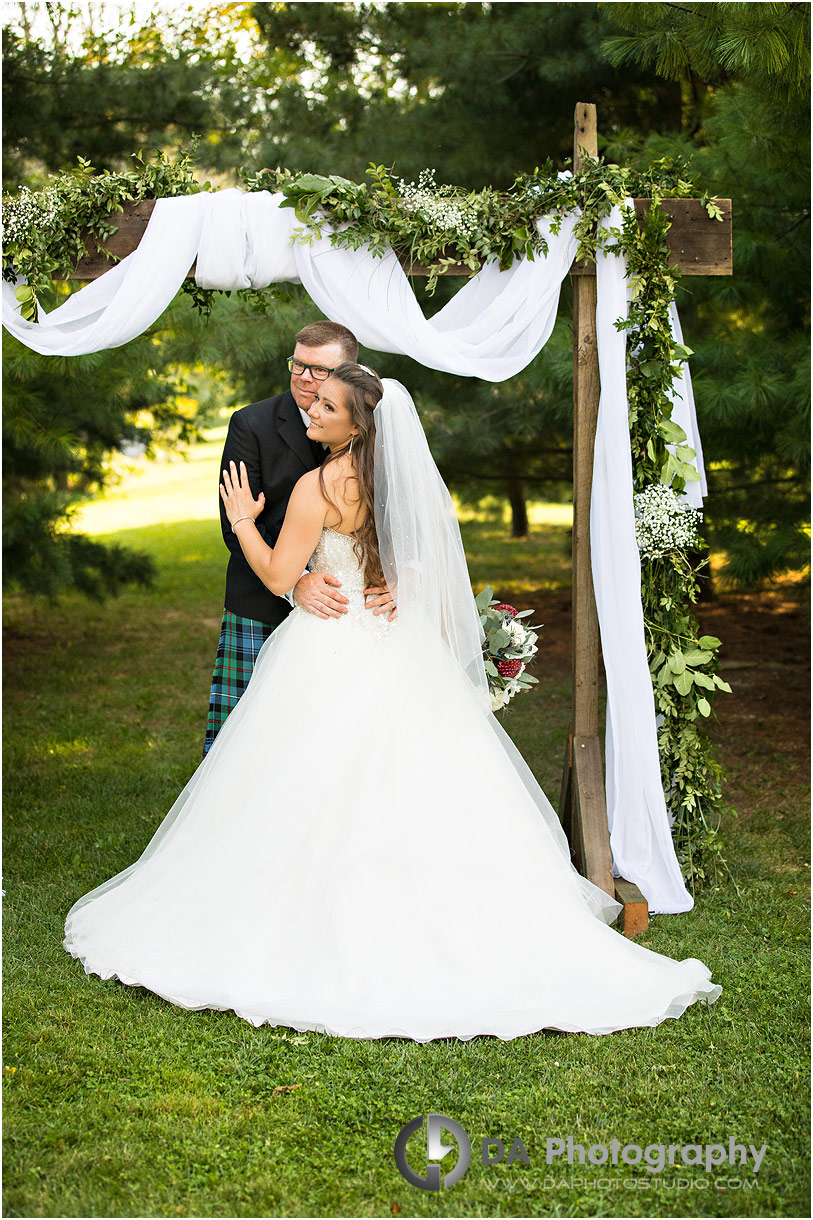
point(248, 517)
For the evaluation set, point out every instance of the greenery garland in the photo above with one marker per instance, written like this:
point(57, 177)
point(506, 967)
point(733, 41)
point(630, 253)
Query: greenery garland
point(47, 232)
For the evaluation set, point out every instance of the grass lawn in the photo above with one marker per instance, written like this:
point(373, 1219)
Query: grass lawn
point(118, 1104)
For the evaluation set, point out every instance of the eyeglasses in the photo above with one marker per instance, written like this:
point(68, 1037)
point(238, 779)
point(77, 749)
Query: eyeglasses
point(317, 371)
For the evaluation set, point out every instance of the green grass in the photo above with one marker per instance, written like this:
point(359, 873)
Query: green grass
point(118, 1104)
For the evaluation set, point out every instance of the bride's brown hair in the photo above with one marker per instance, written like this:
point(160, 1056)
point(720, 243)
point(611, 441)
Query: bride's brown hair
point(365, 392)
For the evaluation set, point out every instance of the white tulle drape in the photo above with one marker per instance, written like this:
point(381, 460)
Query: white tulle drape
point(493, 327)
point(422, 554)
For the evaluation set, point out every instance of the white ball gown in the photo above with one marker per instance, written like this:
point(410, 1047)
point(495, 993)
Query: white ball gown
point(364, 852)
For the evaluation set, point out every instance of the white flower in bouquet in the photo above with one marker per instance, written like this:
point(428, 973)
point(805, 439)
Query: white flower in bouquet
point(664, 522)
point(501, 698)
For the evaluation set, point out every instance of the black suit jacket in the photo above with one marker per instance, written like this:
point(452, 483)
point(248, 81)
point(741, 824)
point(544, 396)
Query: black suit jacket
point(270, 437)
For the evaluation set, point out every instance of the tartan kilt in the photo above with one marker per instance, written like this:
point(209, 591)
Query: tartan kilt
point(240, 641)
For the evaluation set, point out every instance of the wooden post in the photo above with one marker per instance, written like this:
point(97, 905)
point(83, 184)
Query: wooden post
point(583, 805)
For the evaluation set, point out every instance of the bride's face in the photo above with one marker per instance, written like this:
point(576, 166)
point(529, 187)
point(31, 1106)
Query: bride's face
point(331, 422)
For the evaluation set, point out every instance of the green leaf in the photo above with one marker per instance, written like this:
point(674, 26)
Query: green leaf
point(703, 706)
point(684, 682)
point(709, 641)
point(676, 662)
point(701, 679)
point(307, 184)
point(670, 431)
point(697, 656)
point(681, 352)
point(720, 683)
point(484, 597)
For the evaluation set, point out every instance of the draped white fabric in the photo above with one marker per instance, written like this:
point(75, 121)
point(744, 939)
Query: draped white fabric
point(640, 836)
point(683, 413)
point(492, 328)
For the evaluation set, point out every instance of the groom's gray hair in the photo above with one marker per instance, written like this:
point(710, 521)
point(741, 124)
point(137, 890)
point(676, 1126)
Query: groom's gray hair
point(317, 334)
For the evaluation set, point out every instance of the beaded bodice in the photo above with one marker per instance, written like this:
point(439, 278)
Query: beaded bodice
point(335, 554)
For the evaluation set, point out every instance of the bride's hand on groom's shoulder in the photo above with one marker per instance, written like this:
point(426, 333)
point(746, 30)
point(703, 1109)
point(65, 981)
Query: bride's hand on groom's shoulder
point(380, 601)
point(236, 494)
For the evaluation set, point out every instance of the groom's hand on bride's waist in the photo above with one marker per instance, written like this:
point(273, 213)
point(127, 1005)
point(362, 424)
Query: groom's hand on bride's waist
point(380, 602)
point(318, 593)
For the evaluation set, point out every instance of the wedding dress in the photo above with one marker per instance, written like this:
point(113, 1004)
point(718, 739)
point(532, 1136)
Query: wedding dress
point(364, 851)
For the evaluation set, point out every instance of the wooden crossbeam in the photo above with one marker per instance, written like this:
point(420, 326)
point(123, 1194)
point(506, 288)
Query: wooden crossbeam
point(698, 245)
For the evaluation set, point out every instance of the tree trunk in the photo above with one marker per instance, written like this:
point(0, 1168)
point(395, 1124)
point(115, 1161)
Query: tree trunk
point(704, 576)
point(519, 512)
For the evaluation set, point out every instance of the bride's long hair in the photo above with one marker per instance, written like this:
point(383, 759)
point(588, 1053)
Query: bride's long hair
point(365, 392)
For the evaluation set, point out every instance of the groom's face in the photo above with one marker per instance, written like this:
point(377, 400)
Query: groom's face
point(304, 386)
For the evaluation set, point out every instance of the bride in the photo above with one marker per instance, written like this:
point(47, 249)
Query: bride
point(363, 851)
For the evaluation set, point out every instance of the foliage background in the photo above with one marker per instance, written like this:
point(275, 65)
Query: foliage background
point(332, 86)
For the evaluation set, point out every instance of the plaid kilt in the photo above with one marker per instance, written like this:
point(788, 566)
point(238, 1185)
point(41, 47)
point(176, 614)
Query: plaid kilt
point(240, 641)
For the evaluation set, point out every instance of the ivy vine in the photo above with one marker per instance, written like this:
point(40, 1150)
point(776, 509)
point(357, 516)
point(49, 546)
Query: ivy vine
point(46, 233)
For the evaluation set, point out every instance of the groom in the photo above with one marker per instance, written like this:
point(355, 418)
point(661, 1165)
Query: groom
point(270, 437)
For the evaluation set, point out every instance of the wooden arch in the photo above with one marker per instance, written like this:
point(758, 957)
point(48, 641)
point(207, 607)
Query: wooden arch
point(698, 246)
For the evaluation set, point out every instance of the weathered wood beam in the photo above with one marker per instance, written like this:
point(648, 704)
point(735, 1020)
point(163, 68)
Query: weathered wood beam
point(699, 245)
point(583, 805)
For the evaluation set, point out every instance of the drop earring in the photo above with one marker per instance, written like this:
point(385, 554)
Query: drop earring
point(350, 450)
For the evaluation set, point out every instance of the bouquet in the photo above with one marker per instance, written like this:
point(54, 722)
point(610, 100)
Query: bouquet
point(509, 646)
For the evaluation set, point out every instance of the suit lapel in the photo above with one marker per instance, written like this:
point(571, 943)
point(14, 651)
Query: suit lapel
point(292, 430)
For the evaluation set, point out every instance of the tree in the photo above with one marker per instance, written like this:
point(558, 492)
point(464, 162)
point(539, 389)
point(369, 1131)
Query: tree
point(114, 87)
point(480, 91)
point(102, 92)
point(63, 417)
point(745, 73)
